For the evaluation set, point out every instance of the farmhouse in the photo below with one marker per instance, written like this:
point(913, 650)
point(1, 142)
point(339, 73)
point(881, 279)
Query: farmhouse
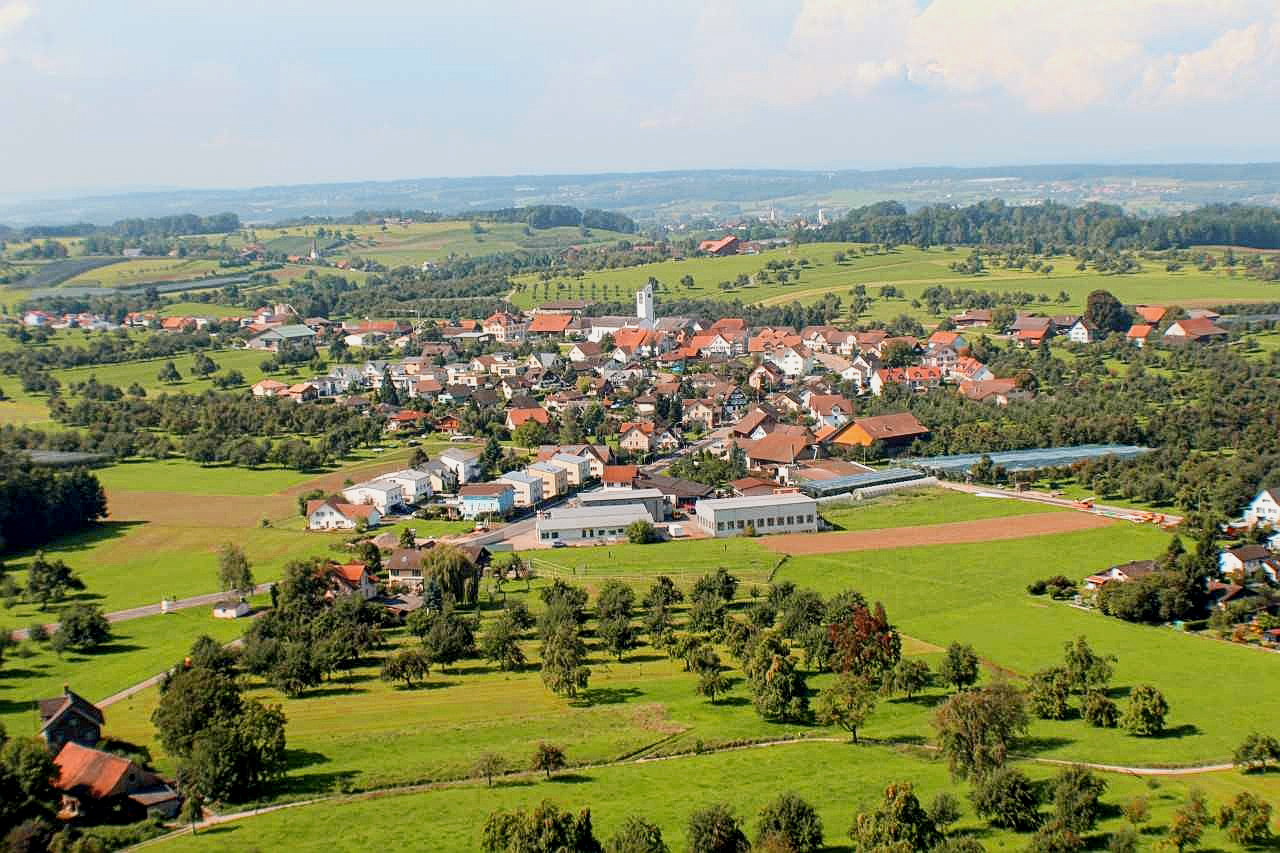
point(283, 338)
point(69, 718)
point(334, 514)
point(726, 245)
point(589, 525)
point(774, 513)
point(892, 430)
point(1194, 330)
point(1121, 574)
point(94, 782)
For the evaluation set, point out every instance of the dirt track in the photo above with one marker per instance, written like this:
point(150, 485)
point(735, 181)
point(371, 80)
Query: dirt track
point(955, 533)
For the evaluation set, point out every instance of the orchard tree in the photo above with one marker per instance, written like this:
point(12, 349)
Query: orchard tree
point(909, 677)
point(960, 667)
point(1047, 693)
point(1246, 819)
point(1007, 798)
point(407, 665)
point(1098, 710)
point(548, 758)
point(1146, 712)
point(898, 823)
point(1186, 828)
point(490, 764)
point(234, 572)
point(1077, 796)
point(637, 835)
point(847, 703)
point(789, 823)
point(81, 627)
point(1105, 312)
point(976, 728)
point(49, 581)
point(501, 643)
point(715, 829)
point(1086, 670)
point(1256, 752)
point(564, 656)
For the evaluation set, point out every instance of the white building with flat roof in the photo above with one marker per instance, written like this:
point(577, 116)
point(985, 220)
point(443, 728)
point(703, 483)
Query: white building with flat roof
point(789, 512)
point(528, 487)
point(589, 525)
point(382, 494)
point(653, 500)
point(415, 485)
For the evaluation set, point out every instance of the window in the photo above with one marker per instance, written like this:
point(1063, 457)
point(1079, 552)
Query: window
point(811, 518)
point(719, 525)
point(770, 521)
point(740, 524)
point(791, 519)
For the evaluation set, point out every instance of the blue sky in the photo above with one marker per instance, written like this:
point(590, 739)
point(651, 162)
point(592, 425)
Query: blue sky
point(125, 94)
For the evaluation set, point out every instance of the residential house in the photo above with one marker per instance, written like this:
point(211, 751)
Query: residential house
point(780, 447)
point(896, 430)
point(913, 378)
point(334, 514)
point(584, 350)
point(1264, 509)
point(701, 413)
point(751, 486)
point(637, 437)
point(96, 784)
point(269, 388)
point(831, 410)
point(1139, 333)
point(577, 468)
point(619, 476)
point(69, 718)
point(828, 362)
point(1122, 573)
point(756, 423)
point(351, 579)
point(555, 479)
point(527, 488)
point(385, 495)
point(998, 391)
point(968, 368)
point(477, 499)
point(465, 464)
point(283, 338)
point(1247, 561)
point(971, 317)
point(1083, 332)
point(1151, 314)
point(415, 485)
point(726, 245)
point(765, 376)
point(407, 420)
point(516, 417)
point(444, 480)
point(404, 566)
point(1031, 329)
point(793, 361)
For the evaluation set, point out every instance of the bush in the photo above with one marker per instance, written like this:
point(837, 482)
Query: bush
point(1076, 794)
point(1100, 711)
point(789, 823)
point(714, 829)
point(1146, 712)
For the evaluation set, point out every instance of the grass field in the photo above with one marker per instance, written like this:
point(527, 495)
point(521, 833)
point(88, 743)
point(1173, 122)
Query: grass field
point(138, 270)
point(851, 780)
point(925, 506)
point(202, 309)
point(910, 270)
point(683, 561)
point(139, 649)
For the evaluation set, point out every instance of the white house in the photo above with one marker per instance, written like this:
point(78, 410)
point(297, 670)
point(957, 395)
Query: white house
point(528, 487)
point(333, 514)
point(415, 484)
point(381, 494)
point(578, 468)
point(1248, 560)
point(1264, 509)
point(792, 361)
point(465, 464)
point(589, 525)
point(1083, 332)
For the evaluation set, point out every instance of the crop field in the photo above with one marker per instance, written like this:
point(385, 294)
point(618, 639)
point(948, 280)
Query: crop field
point(201, 309)
point(851, 780)
point(908, 269)
point(134, 271)
point(925, 506)
point(52, 273)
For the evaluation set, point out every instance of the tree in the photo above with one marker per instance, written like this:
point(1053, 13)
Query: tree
point(407, 665)
point(977, 727)
point(49, 581)
point(489, 765)
point(234, 573)
point(387, 390)
point(192, 811)
point(909, 677)
point(1256, 751)
point(847, 703)
point(233, 759)
point(715, 829)
point(777, 686)
point(960, 667)
point(1137, 811)
point(191, 700)
point(641, 532)
point(1053, 837)
point(789, 823)
point(564, 655)
point(548, 758)
point(1105, 312)
point(944, 811)
point(615, 599)
point(1098, 710)
point(449, 638)
point(501, 643)
point(1007, 798)
point(619, 635)
point(1146, 711)
point(712, 682)
point(863, 641)
point(82, 627)
point(898, 823)
point(637, 835)
point(546, 829)
point(1247, 819)
point(1077, 796)
point(169, 373)
point(407, 538)
point(26, 771)
point(1186, 827)
point(663, 594)
point(1086, 671)
point(1047, 693)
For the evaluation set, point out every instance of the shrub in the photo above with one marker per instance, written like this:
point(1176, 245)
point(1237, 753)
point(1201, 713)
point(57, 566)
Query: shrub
point(1100, 711)
point(1007, 798)
point(789, 823)
point(715, 829)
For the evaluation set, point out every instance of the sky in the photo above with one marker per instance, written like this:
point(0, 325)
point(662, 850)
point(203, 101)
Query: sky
point(103, 96)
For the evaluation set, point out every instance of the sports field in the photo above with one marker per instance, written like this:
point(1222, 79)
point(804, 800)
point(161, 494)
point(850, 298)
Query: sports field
point(908, 269)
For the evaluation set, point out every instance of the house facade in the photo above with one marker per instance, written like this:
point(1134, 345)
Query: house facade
point(772, 513)
point(479, 499)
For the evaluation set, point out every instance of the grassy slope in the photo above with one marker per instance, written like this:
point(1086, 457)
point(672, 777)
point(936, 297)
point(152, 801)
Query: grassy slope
point(925, 506)
point(138, 270)
point(911, 271)
point(976, 594)
point(138, 650)
point(850, 781)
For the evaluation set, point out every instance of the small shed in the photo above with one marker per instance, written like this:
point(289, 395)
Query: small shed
point(231, 608)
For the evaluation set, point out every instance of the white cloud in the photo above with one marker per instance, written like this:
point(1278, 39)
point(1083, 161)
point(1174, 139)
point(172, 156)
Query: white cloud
point(13, 14)
point(1051, 56)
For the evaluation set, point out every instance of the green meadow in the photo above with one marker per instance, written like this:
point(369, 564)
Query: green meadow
point(925, 506)
point(140, 270)
point(908, 269)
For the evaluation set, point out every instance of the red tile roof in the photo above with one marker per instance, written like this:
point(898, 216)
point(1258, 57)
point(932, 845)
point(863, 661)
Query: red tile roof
point(550, 324)
point(91, 770)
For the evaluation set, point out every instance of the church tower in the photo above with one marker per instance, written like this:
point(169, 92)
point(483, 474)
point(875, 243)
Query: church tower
point(644, 305)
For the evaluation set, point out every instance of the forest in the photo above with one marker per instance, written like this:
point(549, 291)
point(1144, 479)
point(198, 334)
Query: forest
point(39, 504)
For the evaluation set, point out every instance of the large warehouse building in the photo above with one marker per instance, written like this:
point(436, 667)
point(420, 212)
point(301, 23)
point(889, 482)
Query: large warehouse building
point(589, 525)
point(790, 512)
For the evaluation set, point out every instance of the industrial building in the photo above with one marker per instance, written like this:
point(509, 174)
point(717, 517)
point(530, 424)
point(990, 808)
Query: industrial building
point(653, 500)
point(789, 512)
point(589, 525)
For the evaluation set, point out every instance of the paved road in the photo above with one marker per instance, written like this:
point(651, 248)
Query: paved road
point(206, 600)
point(1044, 498)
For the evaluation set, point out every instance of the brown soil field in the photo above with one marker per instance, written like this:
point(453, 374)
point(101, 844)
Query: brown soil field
point(955, 533)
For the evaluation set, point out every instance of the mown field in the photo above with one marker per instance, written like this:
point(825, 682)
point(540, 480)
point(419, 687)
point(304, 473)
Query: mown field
point(839, 780)
point(140, 270)
point(908, 269)
point(925, 506)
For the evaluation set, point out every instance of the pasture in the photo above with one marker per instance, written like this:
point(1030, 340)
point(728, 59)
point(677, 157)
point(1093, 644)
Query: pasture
point(919, 507)
point(908, 269)
point(134, 271)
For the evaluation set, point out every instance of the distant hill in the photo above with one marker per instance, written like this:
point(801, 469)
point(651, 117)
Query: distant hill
point(720, 194)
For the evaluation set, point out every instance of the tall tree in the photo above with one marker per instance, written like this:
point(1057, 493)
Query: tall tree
point(234, 571)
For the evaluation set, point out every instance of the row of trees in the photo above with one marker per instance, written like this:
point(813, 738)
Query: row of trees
point(39, 504)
